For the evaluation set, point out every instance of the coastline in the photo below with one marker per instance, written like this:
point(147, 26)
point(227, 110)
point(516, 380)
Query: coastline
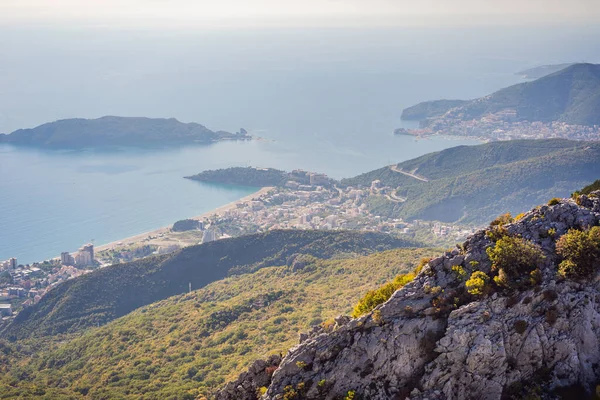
point(219, 211)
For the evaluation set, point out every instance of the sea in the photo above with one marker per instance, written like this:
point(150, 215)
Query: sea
point(318, 99)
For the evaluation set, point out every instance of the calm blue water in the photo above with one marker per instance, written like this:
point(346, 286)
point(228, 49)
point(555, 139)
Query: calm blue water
point(327, 100)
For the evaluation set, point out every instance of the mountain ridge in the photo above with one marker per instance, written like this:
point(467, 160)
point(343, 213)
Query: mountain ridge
point(108, 293)
point(475, 183)
point(571, 95)
point(191, 343)
point(511, 313)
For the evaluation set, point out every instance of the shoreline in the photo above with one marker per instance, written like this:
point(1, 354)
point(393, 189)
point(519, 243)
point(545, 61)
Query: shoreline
point(165, 229)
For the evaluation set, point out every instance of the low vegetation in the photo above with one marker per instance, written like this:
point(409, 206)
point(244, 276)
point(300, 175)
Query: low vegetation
point(580, 253)
point(383, 293)
point(588, 189)
point(99, 297)
point(477, 285)
point(515, 259)
point(185, 225)
point(190, 344)
point(380, 295)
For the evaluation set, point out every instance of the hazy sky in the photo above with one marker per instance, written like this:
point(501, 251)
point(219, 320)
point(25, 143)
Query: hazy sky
point(273, 11)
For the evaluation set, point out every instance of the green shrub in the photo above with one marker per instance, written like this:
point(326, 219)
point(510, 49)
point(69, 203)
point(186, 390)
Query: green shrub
point(514, 258)
point(289, 393)
point(350, 395)
point(301, 365)
point(459, 271)
point(477, 284)
point(503, 220)
point(520, 326)
point(377, 317)
point(379, 296)
point(423, 262)
point(554, 201)
point(580, 252)
point(519, 217)
point(551, 316)
point(496, 233)
point(535, 277)
point(590, 188)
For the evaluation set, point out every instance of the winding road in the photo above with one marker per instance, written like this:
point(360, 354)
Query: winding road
point(400, 171)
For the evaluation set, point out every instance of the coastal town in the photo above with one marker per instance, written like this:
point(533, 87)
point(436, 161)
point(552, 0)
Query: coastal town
point(317, 205)
point(24, 285)
point(502, 125)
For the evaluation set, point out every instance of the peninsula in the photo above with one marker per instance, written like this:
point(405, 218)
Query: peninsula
point(118, 131)
point(564, 105)
point(260, 177)
point(542, 70)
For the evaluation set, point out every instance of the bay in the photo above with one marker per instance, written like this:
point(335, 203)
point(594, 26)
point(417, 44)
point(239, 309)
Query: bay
point(322, 99)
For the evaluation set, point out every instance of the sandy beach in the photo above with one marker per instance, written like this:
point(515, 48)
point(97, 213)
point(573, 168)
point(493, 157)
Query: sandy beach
point(219, 211)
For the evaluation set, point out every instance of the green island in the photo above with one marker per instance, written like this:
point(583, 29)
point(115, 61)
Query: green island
point(117, 131)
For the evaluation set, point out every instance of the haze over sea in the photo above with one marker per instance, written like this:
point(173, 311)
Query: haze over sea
point(325, 99)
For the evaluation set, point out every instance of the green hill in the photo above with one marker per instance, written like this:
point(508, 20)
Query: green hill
point(476, 183)
point(571, 95)
point(259, 177)
point(111, 292)
point(246, 176)
point(191, 344)
point(116, 131)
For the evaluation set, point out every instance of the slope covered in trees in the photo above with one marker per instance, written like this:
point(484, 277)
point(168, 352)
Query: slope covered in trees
point(476, 183)
point(571, 95)
point(192, 343)
point(111, 292)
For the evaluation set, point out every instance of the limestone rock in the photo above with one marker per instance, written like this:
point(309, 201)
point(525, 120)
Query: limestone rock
point(476, 349)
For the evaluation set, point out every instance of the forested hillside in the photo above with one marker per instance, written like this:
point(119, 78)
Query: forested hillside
point(111, 292)
point(476, 183)
point(571, 95)
point(192, 343)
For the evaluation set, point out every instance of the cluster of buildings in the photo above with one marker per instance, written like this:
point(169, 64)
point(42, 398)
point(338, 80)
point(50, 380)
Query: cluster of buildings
point(309, 205)
point(82, 258)
point(315, 208)
point(446, 230)
point(11, 263)
point(504, 126)
point(23, 285)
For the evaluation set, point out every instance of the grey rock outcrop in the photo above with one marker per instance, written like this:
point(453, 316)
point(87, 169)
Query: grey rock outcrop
point(422, 344)
point(249, 382)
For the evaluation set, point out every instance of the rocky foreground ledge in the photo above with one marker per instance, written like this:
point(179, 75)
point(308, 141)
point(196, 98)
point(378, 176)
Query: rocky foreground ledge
point(438, 338)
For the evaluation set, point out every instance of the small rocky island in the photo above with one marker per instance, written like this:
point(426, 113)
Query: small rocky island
point(118, 131)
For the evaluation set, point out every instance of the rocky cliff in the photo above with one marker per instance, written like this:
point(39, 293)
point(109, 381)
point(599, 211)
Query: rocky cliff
point(524, 329)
